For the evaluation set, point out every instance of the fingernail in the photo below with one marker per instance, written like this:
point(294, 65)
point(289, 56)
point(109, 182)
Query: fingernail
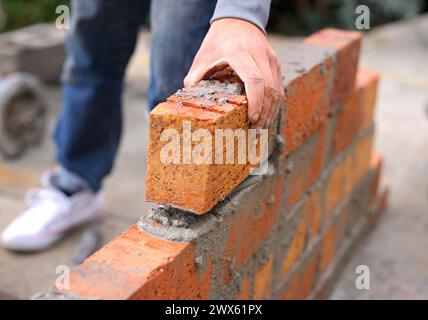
point(255, 117)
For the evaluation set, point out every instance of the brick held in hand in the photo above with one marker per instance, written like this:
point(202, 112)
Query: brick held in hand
point(190, 186)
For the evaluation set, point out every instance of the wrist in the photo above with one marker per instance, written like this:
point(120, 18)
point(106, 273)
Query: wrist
point(235, 23)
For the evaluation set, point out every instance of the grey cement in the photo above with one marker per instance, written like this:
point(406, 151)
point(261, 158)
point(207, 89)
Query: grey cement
point(182, 226)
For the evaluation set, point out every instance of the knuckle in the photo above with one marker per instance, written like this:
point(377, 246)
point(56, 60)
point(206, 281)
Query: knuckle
point(275, 94)
point(270, 89)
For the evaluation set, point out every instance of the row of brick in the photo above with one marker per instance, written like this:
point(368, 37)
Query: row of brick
point(305, 267)
point(137, 265)
point(315, 235)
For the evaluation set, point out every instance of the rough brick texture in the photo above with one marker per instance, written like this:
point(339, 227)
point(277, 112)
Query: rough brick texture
point(284, 235)
point(347, 46)
point(187, 183)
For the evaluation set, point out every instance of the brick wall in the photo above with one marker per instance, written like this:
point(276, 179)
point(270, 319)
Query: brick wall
point(285, 235)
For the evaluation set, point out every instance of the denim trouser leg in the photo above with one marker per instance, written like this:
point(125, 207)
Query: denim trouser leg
point(178, 29)
point(101, 40)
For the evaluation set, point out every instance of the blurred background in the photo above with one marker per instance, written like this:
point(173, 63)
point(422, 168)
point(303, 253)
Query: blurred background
point(291, 17)
point(396, 45)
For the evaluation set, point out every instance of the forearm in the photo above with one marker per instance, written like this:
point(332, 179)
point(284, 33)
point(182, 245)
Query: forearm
point(254, 11)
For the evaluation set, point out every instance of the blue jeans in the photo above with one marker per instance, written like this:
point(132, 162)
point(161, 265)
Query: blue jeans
point(99, 45)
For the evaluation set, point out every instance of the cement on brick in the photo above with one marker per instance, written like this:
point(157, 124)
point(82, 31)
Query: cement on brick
point(175, 224)
point(301, 58)
point(211, 89)
point(179, 225)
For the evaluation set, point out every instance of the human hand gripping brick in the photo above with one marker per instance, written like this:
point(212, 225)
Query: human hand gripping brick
point(245, 48)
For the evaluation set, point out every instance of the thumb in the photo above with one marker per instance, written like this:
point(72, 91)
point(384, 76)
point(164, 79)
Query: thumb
point(194, 75)
point(201, 70)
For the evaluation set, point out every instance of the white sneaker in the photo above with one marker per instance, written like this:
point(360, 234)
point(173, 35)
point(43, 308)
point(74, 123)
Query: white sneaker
point(50, 215)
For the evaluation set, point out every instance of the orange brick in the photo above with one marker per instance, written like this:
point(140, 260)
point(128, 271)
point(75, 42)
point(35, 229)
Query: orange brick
point(257, 216)
point(245, 290)
point(136, 265)
point(122, 268)
point(318, 157)
point(307, 163)
point(309, 273)
point(328, 248)
point(263, 281)
point(367, 82)
point(293, 289)
point(347, 44)
point(347, 173)
point(193, 186)
point(301, 283)
point(295, 248)
point(348, 123)
point(360, 160)
point(357, 113)
point(296, 183)
point(307, 93)
point(334, 189)
point(178, 280)
point(333, 238)
point(313, 214)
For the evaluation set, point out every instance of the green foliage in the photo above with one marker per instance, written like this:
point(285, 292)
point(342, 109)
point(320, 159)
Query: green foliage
point(20, 13)
point(287, 16)
point(306, 16)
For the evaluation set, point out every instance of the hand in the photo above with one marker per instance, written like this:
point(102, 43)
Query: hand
point(244, 47)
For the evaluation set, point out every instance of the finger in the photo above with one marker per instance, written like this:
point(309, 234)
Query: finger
point(278, 98)
point(250, 74)
point(201, 69)
point(270, 91)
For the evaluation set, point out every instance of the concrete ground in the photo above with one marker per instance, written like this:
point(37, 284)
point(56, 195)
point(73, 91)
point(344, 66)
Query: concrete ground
point(395, 252)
